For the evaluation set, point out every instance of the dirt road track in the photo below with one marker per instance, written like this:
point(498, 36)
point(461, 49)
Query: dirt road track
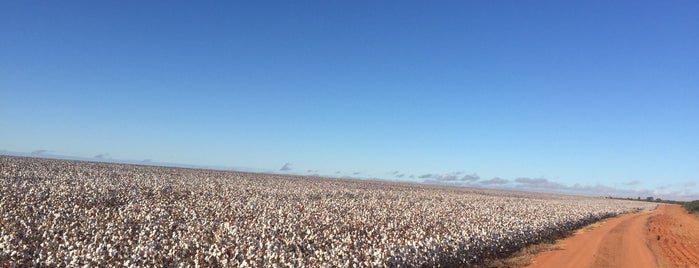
point(631, 240)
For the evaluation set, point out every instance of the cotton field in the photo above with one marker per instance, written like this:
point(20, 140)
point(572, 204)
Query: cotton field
point(70, 213)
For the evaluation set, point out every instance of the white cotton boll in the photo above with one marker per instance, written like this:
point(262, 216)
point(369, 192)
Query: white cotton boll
point(297, 221)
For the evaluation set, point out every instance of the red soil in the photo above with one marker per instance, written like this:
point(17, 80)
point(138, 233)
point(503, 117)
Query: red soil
point(665, 237)
point(675, 236)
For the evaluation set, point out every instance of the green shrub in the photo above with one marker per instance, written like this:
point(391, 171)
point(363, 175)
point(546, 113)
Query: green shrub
point(692, 207)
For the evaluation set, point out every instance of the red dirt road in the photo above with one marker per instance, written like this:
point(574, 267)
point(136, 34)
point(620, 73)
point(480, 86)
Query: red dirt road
point(631, 240)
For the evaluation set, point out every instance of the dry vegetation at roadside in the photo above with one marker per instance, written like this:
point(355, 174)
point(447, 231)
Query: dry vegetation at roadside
point(522, 257)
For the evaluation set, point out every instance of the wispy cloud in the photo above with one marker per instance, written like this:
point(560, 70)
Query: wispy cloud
point(39, 152)
point(453, 178)
point(676, 194)
point(495, 181)
point(632, 183)
point(689, 184)
point(286, 167)
point(663, 187)
point(538, 183)
point(596, 190)
point(447, 177)
point(470, 177)
point(667, 192)
point(631, 188)
point(397, 174)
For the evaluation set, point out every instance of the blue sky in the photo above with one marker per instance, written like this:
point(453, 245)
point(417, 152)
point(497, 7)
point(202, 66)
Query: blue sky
point(580, 97)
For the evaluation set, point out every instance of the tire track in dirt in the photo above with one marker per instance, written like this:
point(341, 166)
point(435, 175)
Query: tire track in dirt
point(612, 243)
point(621, 246)
point(664, 237)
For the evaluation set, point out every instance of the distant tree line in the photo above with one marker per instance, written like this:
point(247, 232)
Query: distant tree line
point(690, 206)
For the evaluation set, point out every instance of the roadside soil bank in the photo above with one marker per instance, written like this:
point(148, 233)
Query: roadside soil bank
point(675, 237)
